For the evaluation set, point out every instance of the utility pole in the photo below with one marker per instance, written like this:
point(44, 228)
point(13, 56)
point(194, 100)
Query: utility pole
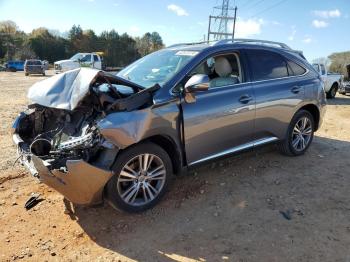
point(234, 24)
point(219, 22)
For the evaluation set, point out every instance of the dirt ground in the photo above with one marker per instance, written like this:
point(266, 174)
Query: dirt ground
point(256, 206)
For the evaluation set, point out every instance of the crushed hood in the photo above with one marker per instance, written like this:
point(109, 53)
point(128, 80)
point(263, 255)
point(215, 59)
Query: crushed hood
point(66, 90)
point(63, 91)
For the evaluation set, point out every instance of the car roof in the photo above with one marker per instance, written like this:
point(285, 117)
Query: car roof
point(238, 43)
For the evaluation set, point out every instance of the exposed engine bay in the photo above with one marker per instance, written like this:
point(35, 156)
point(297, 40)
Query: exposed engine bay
point(61, 124)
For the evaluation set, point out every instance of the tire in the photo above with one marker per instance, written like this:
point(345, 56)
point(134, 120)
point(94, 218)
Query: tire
point(286, 146)
point(43, 74)
point(134, 193)
point(12, 69)
point(26, 74)
point(332, 92)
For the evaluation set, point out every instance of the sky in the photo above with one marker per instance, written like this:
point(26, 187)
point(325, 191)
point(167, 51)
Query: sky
point(317, 27)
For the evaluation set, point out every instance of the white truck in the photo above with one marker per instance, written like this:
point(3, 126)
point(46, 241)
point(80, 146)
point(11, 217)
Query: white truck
point(91, 60)
point(332, 82)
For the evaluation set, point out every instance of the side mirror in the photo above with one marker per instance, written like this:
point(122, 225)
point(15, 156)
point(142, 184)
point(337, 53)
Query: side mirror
point(196, 83)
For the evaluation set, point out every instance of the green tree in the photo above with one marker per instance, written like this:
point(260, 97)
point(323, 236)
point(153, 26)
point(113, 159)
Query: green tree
point(11, 39)
point(339, 61)
point(46, 46)
point(148, 43)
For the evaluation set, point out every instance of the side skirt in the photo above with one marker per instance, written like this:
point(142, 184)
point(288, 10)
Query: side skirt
point(236, 149)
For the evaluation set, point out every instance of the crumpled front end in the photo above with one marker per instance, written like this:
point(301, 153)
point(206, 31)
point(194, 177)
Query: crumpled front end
point(59, 139)
point(78, 165)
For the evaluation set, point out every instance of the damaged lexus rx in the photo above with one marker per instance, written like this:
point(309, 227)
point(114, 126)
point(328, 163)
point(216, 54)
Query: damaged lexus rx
point(96, 136)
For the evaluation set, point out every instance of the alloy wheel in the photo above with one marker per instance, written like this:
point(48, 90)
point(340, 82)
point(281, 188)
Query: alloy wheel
point(141, 179)
point(302, 134)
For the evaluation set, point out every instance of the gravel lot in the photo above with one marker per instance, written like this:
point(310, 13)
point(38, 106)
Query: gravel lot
point(256, 206)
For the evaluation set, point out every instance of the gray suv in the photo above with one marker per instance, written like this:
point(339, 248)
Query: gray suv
point(33, 66)
point(92, 135)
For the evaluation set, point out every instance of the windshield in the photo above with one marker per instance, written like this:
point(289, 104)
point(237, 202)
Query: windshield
point(157, 68)
point(33, 62)
point(81, 57)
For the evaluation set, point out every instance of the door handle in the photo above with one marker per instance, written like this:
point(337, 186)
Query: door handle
point(295, 89)
point(244, 99)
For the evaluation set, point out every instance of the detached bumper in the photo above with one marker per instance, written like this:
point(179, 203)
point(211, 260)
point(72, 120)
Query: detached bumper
point(81, 182)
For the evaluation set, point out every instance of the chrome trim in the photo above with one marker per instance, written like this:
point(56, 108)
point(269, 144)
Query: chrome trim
point(286, 77)
point(252, 82)
point(259, 81)
point(255, 143)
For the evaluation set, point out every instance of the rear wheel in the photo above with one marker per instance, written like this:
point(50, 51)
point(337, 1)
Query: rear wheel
point(26, 74)
point(332, 92)
point(142, 175)
point(300, 134)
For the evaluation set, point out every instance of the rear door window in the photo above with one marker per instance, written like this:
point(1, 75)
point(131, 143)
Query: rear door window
point(95, 58)
point(266, 65)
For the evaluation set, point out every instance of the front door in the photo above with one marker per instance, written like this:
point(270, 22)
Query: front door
point(221, 120)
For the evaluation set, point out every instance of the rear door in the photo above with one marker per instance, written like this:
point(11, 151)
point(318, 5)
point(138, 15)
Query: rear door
point(278, 92)
point(221, 120)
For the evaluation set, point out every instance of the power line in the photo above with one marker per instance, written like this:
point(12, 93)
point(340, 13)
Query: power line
point(257, 3)
point(248, 3)
point(267, 9)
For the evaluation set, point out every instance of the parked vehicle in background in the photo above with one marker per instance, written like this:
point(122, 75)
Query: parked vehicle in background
point(332, 82)
point(33, 66)
point(91, 60)
point(14, 66)
point(91, 134)
point(344, 88)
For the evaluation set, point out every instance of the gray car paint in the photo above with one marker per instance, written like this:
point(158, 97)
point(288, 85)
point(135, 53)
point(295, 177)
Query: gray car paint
point(218, 123)
point(63, 91)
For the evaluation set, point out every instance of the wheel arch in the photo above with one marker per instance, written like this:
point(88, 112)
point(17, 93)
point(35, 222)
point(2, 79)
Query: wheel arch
point(172, 149)
point(335, 84)
point(314, 111)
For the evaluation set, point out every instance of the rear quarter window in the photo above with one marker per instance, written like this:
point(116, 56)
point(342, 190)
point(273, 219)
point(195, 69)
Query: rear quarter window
point(294, 69)
point(266, 65)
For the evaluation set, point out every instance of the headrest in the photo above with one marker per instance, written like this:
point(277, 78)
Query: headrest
point(222, 66)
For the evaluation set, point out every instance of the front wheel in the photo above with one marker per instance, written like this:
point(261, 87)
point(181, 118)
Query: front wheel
point(142, 174)
point(299, 135)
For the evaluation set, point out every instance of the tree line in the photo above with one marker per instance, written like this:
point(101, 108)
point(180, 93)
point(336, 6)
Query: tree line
point(339, 61)
point(42, 43)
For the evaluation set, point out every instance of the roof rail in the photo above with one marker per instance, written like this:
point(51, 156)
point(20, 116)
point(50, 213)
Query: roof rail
point(264, 42)
point(192, 43)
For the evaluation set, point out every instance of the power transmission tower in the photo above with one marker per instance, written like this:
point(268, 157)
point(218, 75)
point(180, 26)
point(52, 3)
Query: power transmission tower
point(219, 23)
